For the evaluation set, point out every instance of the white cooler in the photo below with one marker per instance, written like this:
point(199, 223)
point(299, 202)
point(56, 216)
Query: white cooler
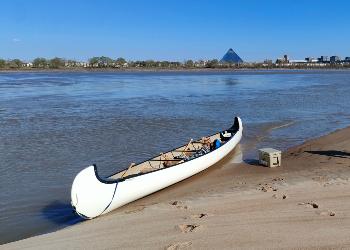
point(270, 157)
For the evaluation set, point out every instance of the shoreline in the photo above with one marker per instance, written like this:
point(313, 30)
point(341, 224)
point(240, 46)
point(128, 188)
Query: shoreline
point(177, 70)
point(204, 210)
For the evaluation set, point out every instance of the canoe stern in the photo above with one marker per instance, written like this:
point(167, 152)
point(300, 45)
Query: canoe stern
point(90, 195)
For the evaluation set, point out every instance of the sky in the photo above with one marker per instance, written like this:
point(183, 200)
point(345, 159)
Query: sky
point(173, 29)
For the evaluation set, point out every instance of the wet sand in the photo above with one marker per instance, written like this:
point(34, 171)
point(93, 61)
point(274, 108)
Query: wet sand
point(303, 204)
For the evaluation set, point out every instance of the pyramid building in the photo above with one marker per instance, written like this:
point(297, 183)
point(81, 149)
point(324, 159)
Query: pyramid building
point(231, 57)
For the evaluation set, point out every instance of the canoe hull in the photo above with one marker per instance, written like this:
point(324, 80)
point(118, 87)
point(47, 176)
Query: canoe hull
point(93, 196)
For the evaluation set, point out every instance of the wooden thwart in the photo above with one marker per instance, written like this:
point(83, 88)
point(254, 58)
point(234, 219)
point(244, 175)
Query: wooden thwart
point(167, 159)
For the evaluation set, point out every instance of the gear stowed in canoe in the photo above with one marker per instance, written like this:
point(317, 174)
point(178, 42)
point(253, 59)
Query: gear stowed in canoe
point(93, 196)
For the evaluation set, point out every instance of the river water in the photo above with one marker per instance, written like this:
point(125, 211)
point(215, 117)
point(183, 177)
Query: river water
point(52, 125)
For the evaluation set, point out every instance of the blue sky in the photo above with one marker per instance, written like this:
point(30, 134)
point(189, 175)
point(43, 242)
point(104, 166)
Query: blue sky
point(173, 30)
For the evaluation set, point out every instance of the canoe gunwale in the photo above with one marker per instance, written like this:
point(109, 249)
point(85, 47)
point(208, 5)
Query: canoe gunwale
point(107, 180)
point(103, 180)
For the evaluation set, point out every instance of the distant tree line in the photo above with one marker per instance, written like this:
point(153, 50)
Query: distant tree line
point(107, 62)
point(104, 62)
point(54, 63)
point(14, 63)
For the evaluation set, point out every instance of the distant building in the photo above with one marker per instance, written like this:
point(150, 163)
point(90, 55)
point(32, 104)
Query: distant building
point(200, 63)
point(83, 64)
point(334, 59)
point(309, 59)
point(231, 57)
point(27, 64)
point(323, 59)
point(279, 61)
point(298, 61)
point(284, 60)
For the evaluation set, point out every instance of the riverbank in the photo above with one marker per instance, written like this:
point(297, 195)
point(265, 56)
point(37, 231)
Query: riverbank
point(303, 204)
point(180, 70)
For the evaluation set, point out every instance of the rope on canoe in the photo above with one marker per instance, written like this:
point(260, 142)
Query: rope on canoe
point(115, 189)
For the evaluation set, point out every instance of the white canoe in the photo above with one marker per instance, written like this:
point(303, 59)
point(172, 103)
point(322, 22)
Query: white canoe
point(93, 196)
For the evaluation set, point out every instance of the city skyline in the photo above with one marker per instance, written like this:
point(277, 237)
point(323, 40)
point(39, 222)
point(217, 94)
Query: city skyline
point(284, 58)
point(173, 31)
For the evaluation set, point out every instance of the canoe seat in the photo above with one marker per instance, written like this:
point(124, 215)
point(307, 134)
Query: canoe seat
point(225, 136)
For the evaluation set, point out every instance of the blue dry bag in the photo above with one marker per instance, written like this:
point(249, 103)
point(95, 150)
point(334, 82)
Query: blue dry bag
point(217, 143)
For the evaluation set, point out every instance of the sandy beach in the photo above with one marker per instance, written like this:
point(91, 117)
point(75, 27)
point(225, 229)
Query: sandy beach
point(303, 204)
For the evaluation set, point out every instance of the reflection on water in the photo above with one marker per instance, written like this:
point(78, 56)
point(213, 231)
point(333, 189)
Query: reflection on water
point(231, 81)
point(52, 125)
point(60, 213)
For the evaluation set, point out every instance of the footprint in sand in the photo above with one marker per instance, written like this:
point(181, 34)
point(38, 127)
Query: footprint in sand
point(329, 213)
point(180, 245)
point(179, 205)
point(196, 216)
point(278, 179)
point(188, 228)
point(310, 204)
point(199, 216)
point(266, 188)
point(283, 197)
point(315, 205)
